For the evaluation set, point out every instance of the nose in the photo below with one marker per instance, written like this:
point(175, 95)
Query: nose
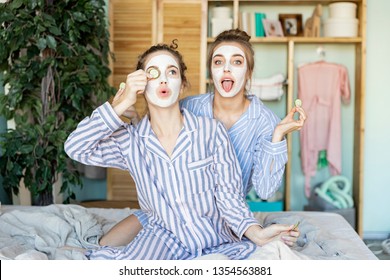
point(226, 68)
point(163, 78)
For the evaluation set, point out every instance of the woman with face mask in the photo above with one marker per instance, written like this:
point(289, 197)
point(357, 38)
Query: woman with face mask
point(257, 134)
point(187, 176)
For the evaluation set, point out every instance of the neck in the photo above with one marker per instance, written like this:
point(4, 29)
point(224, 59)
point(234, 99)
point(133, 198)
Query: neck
point(231, 105)
point(229, 110)
point(166, 121)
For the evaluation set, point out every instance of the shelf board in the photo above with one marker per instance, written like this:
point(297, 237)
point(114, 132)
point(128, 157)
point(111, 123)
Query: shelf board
point(303, 40)
point(332, 40)
point(289, 2)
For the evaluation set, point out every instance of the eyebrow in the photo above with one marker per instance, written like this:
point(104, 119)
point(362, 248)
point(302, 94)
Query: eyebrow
point(234, 55)
point(169, 66)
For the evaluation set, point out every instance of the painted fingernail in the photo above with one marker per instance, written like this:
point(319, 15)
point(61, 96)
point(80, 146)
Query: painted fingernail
point(122, 85)
point(298, 103)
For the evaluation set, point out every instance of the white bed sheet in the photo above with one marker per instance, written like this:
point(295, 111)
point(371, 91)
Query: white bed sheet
point(28, 232)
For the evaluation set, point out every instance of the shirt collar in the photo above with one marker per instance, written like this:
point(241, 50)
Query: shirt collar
point(190, 123)
point(255, 107)
point(254, 110)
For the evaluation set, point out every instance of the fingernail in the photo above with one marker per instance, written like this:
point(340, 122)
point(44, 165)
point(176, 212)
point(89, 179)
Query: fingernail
point(122, 85)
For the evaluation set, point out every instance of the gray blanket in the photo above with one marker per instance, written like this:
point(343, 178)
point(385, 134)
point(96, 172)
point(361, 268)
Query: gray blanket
point(50, 232)
point(61, 232)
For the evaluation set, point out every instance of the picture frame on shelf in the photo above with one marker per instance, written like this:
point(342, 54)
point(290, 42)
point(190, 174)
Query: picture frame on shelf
point(273, 28)
point(291, 24)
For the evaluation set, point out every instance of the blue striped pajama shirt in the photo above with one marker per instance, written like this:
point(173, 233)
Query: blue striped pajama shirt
point(251, 137)
point(193, 201)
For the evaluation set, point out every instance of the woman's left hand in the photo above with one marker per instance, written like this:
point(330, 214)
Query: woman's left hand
point(289, 124)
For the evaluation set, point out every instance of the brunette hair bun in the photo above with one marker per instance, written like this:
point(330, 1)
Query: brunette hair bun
point(233, 35)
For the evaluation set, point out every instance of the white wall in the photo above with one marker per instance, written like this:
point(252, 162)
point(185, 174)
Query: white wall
point(376, 218)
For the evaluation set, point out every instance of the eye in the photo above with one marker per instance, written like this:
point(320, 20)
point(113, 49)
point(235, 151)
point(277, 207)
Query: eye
point(173, 72)
point(237, 60)
point(218, 62)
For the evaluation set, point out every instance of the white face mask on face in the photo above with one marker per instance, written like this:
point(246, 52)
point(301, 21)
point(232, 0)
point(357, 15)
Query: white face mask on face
point(229, 69)
point(163, 91)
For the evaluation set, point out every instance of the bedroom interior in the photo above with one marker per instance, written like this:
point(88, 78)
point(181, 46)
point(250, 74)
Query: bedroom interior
point(362, 222)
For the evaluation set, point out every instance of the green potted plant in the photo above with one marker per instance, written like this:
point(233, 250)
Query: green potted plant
point(55, 60)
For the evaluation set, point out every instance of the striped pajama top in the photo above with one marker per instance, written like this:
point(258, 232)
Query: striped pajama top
point(251, 137)
point(196, 194)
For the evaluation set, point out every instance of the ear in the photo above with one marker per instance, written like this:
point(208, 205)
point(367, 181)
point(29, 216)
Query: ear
point(248, 85)
point(182, 88)
point(248, 78)
point(249, 74)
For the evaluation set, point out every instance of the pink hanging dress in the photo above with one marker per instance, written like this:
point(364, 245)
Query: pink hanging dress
point(320, 86)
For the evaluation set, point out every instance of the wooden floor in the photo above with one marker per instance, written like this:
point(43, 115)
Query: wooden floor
point(109, 204)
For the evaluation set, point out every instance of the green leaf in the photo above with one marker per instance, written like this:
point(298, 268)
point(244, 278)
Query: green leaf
point(51, 42)
point(41, 44)
point(39, 151)
point(32, 4)
point(79, 16)
point(16, 4)
point(26, 149)
point(10, 165)
point(39, 129)
point(55, 30)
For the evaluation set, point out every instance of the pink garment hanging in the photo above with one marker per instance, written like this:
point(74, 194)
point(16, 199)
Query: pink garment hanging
point(320, 86)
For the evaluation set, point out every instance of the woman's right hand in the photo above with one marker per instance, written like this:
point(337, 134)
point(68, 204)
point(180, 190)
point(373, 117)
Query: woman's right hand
point(287, 233)
point(131, 112)
point(127, 96)
point(289, 124)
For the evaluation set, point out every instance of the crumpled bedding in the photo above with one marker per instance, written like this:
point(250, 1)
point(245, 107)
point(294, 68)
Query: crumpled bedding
point(60, 232)
point(324, 235)
point(49, 232)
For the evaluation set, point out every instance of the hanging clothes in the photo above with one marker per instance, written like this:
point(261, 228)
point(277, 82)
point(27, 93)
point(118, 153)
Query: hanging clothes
point(320, 86)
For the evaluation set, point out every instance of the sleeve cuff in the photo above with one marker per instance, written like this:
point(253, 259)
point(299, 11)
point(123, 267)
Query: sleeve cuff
point(142, 217)
point(276, 148)
point(245, 224)
point(109, 117)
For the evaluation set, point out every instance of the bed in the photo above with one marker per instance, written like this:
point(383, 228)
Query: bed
point(55, 232)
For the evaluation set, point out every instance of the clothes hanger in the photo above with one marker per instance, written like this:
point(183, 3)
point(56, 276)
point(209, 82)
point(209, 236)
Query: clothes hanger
point(320, 50)
point(321, 53)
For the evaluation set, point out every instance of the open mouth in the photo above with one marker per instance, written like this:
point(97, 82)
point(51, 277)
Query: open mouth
point(164, 92)
point(227, 84)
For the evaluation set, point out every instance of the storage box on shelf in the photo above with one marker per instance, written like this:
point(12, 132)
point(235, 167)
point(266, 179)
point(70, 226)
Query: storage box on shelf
point(342, 21)
point(221, 20)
